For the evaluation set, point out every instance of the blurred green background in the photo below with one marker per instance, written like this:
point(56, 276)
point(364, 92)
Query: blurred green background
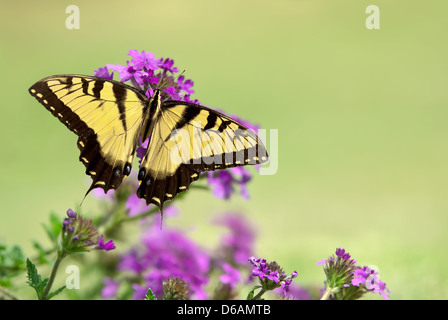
point(361, 116)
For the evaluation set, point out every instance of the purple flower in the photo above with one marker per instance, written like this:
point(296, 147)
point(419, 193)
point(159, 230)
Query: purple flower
point(146, 77)
point(321, 262)
point(273, 276)
point(139, 291)
point(124, 72)
point(370, 279)
point(100, 194)
point(171, 91)
point(361, 275)
point(185, 85)
point(242, 176)
point(71, 214)
point(140, 71)
point(293, 291)
point(110, 288)
point(107, 246)
point(260, 269)
point(167, 65)
point(164, 254)
point(143, 78)
point(144, 59)
point(149, 93)
point(231, 275)
point(341, 253)
point(381, 288)
point(133, 262)
point(136, 205)
point(103, 72)
point(238, 243)
point(224, 181)
point(188, 99)
point(141, 149)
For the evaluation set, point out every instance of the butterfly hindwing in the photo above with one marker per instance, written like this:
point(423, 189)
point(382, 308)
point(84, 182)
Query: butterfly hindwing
point(106, 115)
point(187, 140)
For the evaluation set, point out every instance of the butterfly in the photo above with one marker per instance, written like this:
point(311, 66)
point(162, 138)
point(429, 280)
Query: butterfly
point(109, 118)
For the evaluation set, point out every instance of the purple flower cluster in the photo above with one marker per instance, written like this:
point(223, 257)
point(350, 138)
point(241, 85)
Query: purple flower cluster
point(342, 254)
point(231, 275)
point(165, 253)
point(346, 280)
point(79, 234)
point(238, 243)
point(147, 73)
point(271, 275)
point(370, 279)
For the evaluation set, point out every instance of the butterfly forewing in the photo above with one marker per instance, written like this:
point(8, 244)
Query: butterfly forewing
point(187, 140)
point(106, 115)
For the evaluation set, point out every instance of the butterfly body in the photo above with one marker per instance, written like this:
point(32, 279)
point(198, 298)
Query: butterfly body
point(109, 117)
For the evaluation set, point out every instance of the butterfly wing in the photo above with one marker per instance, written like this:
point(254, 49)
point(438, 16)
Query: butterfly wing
point(188, 139)
point(106, 115)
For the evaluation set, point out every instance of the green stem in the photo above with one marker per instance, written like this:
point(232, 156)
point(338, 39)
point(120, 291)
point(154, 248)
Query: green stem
point(327, 293)
point(61, 256)
point(140, 215)
point(259, 294)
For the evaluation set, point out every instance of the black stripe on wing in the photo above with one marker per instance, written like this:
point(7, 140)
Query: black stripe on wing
point(120, 96)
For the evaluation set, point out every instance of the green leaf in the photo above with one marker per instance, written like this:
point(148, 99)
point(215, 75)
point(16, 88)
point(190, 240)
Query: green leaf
point(54, 229)
point(12, 263)
point(251, 293)
point(150, 295)
point(58, 291)
point(34, 279)
point(16, 255)
point(42, 253)
point(12, 257)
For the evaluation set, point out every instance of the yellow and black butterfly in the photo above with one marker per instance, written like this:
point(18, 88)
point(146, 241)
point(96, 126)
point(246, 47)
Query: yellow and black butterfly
point(109, 117)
